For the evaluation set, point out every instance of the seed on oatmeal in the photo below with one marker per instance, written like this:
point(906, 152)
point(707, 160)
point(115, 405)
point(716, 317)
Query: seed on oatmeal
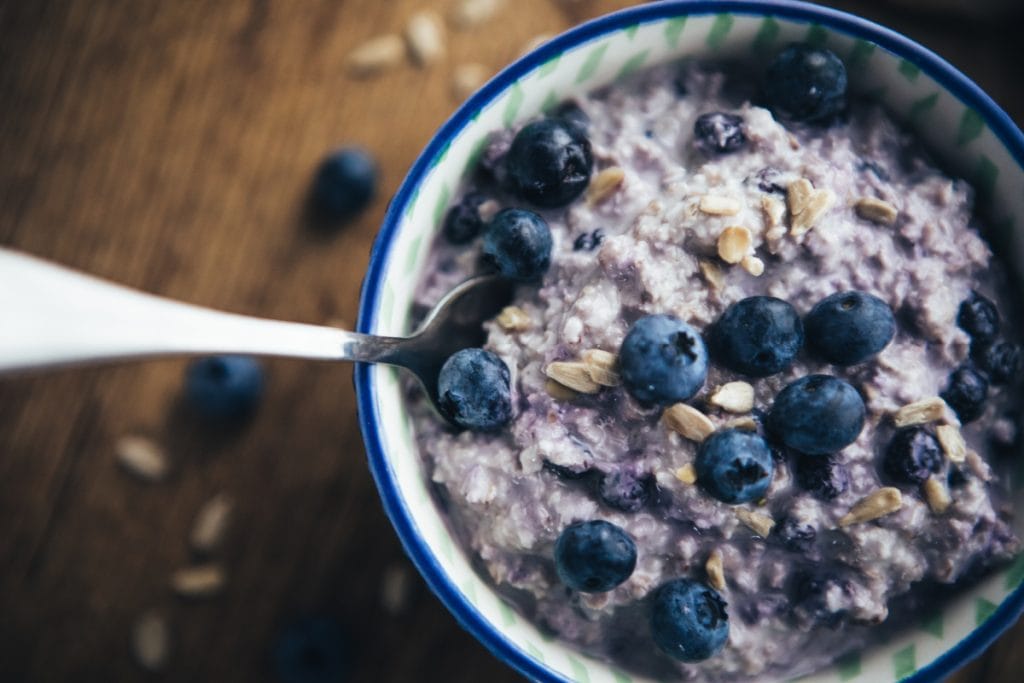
point(151, 641)
point(876, 210)
point(688, 421)
point(772, 210)
point(687, 474)
point(715, 570)
point(488, 209)
point(734, 243)
point(142, 457)
point(746, 423)
point(574, 375)
point(513, 319)
point(425, 36)
point(753, 265)
point(920, 412)
point(734, 397)
point(952, 442)
point(761, 525)
point(605, 184)
point(469, 13)
point(978, 466)
point(601, 366)
point(937, 495)
point(873, 506)
point(200, 581)
point(559, 392)
point(712, 274)
point(466, 79)
point(376, 55)
point(718, 205)
point(211, 524)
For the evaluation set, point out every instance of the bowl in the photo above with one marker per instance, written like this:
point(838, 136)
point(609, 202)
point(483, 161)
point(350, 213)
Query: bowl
point(968, 133)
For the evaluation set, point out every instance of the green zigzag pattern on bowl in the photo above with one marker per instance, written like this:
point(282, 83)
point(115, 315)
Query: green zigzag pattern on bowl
point(581, 68)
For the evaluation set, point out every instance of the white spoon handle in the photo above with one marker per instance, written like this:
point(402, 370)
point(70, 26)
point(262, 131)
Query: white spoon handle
point(50, 315)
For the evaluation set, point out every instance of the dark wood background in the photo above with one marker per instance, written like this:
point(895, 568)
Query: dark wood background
point(169, 146)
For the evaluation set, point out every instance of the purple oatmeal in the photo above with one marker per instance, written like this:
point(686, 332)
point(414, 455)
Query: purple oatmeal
point(697, 201)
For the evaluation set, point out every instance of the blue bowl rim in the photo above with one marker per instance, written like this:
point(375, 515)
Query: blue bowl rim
point(401, 517)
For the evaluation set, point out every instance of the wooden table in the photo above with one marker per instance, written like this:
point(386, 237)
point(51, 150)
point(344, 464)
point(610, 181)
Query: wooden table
point(169, 146)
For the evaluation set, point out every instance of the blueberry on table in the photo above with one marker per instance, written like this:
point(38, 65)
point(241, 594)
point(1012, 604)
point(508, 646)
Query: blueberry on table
point(913, 455)
point(623, 490)
point(517, 243)
point(999, 360)
point(689, 621)
point(849, 327)
point(805, 83)
point(823, 477)
point(817, 415)
point(734, 466)
point(224, 388)
point(662, 360)
point(966, 393)
point(311, 650)
point(979, 318)
point(462, 223)
point(594, 556)
point(474, 392)
point(757, 336)
point(345, 183)
point(719, 133)
point(549, 162)
point(794, 535)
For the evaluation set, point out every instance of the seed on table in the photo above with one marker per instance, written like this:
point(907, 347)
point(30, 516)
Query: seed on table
point(211, 524)
point(376, 55)
point(151, 641)
point(395, 588)
point(425, 36)
point(142, 457)
point(200, 581)
point(469, 13)
point(467, 79)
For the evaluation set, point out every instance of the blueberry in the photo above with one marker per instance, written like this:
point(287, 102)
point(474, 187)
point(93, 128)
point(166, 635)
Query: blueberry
point(224, 388)
point(805, 83)
point(549, 163)
point(757, 336)
point(689, 620)
point(849, 327)
point(594, 556)
point(966, 393)
point(794, 535)
point(719, 133)
point(811, 588)
point(767, 180)
point(588, 241)
point(345, 183)
point(474, 392)
point(662, 360)
point(623, 490)
point(913, 455)
point(822, 476)
point(462, 223)
point(957, 477)
point(518, 244)
point(311, 650)
point(999, 360)
point(875, 168)
point(817, 415)
point(571, 113)
point(979, 318)
point(735, 466)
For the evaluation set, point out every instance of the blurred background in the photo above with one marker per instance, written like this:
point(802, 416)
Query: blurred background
point(171, 146)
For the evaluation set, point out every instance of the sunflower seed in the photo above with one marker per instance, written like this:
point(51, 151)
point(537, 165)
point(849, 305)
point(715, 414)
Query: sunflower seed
point(687, 474)
point(761, 525)
point(142, 457)
point(876, 210)
point(211, 524)
point(601, 366)
point(200, 581)
point(734, 243)
point(513, 319)
point(718, 205)
point(873, 506)
point(688, 421)
point(734, 397)
point(469, 13)
point(395, 587)
point(605, 184)
point(712, 274)
point(920, 412)
point(978, 466)
point(376, 55)
point(559, 392)
point(715, 571)
point(574, 375)
point(151, 641)
point(937, 495)
point(952, 442)
point(425, 36)
point(467, 79)
point(746, 423)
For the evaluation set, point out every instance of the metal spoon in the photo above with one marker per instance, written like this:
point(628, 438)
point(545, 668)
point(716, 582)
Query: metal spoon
point(53, 316)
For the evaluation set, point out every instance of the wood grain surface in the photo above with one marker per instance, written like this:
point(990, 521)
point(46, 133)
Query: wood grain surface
point(169, 146)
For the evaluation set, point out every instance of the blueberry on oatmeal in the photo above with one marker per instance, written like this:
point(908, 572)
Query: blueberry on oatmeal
point(805, 83)
point(662, 360)
point(824, 477)
point(462, 223)
point(847, 328)
point(594, 556)
point(817, 415)
point(979, 318)
point(473, 390)
point(689, 620)
point(966, 393)
point(550, 162)
point(719, 133)
point(913, 455)
point(734, 466)
point(517, 244)
point(757, 336)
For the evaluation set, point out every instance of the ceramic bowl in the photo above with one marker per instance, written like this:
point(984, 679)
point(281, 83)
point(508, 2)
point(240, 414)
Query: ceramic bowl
point(962, 126)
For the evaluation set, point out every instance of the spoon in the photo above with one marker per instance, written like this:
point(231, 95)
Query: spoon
point(54, 316)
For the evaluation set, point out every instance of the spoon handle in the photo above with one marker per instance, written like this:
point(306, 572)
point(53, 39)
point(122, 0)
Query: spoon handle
point(52, 316)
